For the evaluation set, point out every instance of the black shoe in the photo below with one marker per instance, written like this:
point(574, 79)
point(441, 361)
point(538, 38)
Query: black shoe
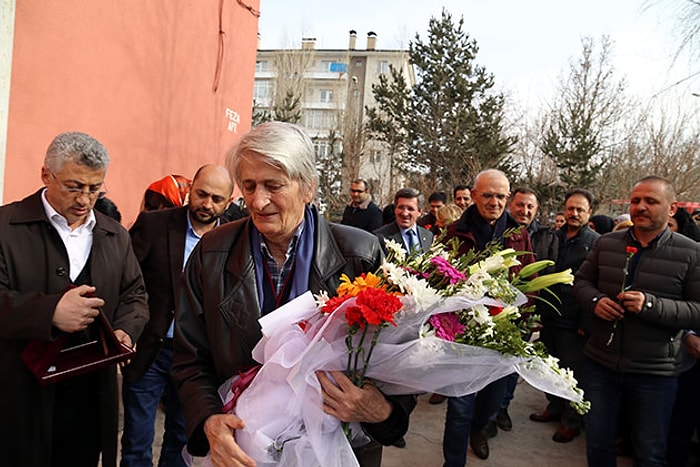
point(490, 430)
point(503, 420)
point(400, 443)
point(479, 444)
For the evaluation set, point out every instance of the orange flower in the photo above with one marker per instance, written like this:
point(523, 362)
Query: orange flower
point(362, 282)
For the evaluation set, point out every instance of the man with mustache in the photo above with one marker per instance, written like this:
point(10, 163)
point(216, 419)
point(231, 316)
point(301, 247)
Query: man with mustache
point(564, 329)
point(641, 287)
point(163, 241)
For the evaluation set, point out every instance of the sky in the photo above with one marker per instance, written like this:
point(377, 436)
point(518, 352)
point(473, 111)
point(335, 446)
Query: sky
point(526, 44)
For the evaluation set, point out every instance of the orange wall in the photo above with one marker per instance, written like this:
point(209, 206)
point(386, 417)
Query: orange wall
point(137, 75)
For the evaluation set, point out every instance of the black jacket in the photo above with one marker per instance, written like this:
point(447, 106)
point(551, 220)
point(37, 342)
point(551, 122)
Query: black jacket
point(572, 253)
point(668, 272)
point(217, 312)
point(545, 242)
point(368, 219)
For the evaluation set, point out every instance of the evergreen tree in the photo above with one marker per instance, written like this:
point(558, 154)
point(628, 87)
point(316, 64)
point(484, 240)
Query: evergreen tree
point(289, 109)
point(456, 118)
point(388, 121)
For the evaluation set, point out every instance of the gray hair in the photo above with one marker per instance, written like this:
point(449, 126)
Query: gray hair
point(409, 193)
point(284, 146)
point(76, 147)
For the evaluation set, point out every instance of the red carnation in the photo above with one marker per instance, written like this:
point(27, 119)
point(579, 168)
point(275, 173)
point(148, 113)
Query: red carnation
point(378, 306)
point(354, 317)
point(333, 303)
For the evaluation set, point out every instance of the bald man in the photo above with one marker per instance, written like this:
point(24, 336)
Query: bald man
point(484, 221)
point(162, 241)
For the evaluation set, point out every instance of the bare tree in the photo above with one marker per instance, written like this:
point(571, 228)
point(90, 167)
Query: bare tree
point(353, 132)
point(688, 28)
point(288, 87)
point(672, 150)
point(535, 169)
point(581, 130)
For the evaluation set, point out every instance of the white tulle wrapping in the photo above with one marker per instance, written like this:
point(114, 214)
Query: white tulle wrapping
point(282, 406)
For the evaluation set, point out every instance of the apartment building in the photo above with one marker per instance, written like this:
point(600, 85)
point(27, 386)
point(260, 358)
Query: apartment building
point(334, 86)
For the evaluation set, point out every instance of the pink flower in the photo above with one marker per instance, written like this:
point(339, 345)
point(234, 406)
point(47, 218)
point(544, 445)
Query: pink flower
point(446, 269)
point(447, 326)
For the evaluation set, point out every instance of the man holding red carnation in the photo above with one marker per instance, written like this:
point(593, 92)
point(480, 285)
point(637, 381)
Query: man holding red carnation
point(640, 302)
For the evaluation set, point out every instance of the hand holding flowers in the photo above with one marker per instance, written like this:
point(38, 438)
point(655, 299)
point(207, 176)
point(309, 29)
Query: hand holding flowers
point(438, 322)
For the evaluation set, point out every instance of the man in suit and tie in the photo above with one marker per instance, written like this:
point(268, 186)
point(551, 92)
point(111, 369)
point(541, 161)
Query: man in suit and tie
point(404, 230)
point(163, 241)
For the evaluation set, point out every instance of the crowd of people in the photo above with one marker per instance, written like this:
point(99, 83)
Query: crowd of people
point(186, 285)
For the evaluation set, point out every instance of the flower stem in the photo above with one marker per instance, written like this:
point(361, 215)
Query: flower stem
point(359, 355)
point(375, 338)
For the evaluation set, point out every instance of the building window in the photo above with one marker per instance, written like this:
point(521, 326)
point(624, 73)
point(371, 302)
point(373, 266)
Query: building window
point(326, 65)
point(261, 65)
point(319, 119)
point(321, 148)
point(374, 157)
point(326, 95)
point(382, 67)
point(262, 90)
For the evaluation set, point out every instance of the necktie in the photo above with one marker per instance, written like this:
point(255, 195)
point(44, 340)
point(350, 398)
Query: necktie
point(412, 241)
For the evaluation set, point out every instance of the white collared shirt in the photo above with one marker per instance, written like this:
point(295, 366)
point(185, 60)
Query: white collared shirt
point(78, 242)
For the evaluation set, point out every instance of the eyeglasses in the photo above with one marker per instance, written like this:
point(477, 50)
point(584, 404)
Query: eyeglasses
point(498, 196)
point(76, 189)
point(357, 191)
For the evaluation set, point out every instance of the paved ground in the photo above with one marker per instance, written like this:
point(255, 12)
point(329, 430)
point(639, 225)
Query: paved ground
point(529, 444)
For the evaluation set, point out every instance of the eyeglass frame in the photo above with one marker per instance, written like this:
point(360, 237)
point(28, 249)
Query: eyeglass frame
point(80, 189)
point(499, 196)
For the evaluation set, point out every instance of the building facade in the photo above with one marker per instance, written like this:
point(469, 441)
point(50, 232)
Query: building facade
point(166, 86)
point(334, 86)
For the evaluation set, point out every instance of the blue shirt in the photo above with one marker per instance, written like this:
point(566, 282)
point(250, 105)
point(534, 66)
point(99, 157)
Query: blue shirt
point(191, 240)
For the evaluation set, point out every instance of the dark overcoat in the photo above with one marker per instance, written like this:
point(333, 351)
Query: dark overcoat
point(393, 232)
point(158, 238)
point(33, 276)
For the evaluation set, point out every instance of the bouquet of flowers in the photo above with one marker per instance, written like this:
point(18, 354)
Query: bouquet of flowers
point(437, 322)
